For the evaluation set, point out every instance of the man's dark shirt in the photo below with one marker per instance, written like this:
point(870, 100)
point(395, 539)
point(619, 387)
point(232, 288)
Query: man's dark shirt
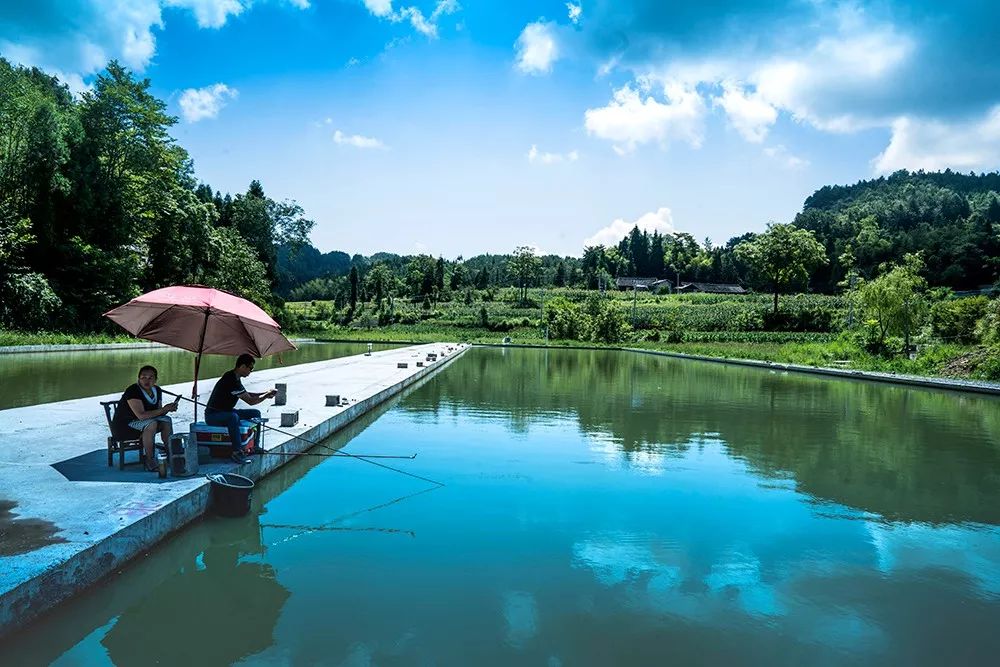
point(224, 396)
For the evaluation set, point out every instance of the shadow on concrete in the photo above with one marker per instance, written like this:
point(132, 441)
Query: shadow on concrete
point(93, 467)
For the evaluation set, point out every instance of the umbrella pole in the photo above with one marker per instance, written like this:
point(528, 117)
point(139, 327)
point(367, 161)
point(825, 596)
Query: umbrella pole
point(197, 362)
point(194, 390)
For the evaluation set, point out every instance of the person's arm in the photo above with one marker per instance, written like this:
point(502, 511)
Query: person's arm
point(252, 398)
point(140, 411)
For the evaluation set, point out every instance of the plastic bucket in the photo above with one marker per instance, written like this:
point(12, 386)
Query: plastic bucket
point(231, 494)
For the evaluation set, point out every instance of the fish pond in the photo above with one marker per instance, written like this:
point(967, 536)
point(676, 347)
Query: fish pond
point(598, 508)
point(30, 378)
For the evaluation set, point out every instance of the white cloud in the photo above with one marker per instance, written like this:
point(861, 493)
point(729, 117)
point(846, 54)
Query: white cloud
point(535, 155)
point(380, 8)
point(933, 145)
point(785, 158)
point(748, 113)
point(77, 38)
point(200, 103)
point(574, 12)
point(537, 48)
point(357, 140)
point(211, 13)
point(426, 26)
point(632, 118)
point(661, 220)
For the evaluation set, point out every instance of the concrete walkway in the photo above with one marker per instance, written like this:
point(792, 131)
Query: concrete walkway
point(67, 519)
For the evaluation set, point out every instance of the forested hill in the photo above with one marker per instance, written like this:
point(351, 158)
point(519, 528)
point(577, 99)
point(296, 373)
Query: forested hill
point(951, 218)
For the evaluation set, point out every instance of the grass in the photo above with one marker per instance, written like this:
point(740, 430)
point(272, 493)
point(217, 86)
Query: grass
point(13, 338)
point(721, 326)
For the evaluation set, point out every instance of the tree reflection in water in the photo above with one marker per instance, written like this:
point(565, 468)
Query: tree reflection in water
point(903, 453)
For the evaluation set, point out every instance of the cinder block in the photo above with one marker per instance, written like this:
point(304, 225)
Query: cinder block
point(420, 364)
point(289, 418)
point(332, 400)
point(402, 364)
point(282, 395)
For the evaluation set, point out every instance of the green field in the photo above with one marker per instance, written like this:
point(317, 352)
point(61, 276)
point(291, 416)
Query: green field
point(809, 329)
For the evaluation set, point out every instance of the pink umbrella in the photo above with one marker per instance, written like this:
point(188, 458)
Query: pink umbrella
point(202, 320)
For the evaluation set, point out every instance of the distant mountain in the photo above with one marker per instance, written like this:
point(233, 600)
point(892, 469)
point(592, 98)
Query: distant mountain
point(308, 263)
point(953, 219)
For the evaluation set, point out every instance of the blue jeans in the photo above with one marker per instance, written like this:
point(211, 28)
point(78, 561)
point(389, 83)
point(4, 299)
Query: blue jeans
point(231, 420)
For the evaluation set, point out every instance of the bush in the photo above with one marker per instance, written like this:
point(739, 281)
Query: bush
point(988, 327)
point(955, 320)
point(27, 301)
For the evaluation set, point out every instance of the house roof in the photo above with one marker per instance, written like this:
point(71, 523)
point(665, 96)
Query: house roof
point(634, 282)
point(713, 288)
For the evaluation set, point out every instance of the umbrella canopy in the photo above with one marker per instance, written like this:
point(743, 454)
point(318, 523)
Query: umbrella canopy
point(203, 320)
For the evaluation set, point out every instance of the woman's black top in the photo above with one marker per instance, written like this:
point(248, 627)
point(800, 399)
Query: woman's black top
point(124, 415)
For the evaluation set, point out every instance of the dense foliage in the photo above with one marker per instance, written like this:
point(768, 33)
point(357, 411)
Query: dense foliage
point(98, 204)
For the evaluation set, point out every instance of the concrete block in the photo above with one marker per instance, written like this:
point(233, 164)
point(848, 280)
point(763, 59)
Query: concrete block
point(420, 364)
point(402, 364)
point(282, 395)
point(332, 400)
point(289, 418)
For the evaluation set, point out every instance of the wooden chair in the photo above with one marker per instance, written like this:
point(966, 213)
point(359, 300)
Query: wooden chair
point(119, 445)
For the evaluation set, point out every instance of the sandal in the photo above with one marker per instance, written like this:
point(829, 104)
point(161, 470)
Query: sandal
point(151, 468)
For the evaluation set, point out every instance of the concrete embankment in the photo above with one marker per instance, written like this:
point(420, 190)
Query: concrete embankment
point(67, 519)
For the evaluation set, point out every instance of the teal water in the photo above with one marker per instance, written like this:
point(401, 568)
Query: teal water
point(44, 377)
point(600, 508)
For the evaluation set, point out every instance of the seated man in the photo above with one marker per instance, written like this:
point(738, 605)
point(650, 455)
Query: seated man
point(140, 414)
point(227, 391)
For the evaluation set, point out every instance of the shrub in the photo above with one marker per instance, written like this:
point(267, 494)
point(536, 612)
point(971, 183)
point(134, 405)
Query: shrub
point(988, 327)
point(955, 319)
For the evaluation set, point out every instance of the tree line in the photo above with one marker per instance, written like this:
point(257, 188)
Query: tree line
point(98, 203)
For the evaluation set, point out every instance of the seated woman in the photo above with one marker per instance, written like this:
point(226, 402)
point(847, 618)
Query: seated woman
point(140, 414)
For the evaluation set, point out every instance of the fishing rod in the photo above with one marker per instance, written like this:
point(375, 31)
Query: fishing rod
point(337, 452)
point(332, 524)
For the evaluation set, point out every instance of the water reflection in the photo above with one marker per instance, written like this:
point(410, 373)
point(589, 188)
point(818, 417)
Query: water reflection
point(670, 513)
point(44, 377)
point(903, 453)
point(218, 607)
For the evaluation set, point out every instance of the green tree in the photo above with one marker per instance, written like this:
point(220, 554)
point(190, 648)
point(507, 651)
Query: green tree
point(783, 256)
point(354, 288)
point(523, 267)
point(560, 278)
point(896, 300)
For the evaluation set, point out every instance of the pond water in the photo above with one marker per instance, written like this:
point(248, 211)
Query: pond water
point(43, 377)
point(600, 508)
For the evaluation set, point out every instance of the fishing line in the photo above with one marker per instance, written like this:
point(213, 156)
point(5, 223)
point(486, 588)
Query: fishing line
point(337, 452)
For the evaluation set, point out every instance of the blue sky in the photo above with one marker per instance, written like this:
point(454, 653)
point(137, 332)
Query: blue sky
point(458, 128)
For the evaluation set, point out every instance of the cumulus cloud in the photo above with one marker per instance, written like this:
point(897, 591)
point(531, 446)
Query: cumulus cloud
point(425, 25)
point(661, 220)
point(76, 38)
point(633, 118)
point(934, 145)
point(200, 103)
point(211, 13)
point(537, 48)
point(783, 157)
point(842, 67)
point(748, 113)
point(575, 11)
point(540, 157)
point(357, 140)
